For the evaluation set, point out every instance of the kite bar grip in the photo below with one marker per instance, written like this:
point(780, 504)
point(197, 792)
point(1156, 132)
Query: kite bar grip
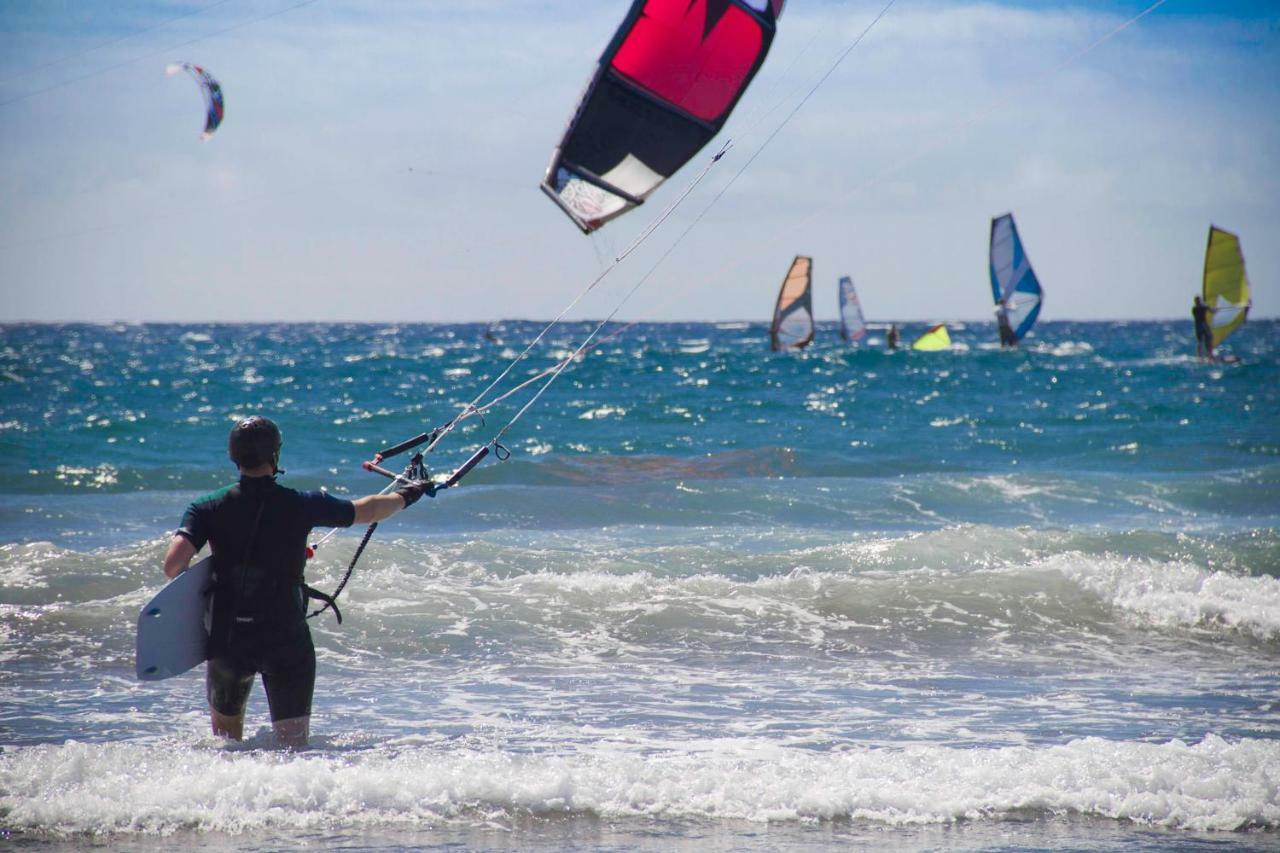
point(406, 445)
point(378, 469)
point(466, 467)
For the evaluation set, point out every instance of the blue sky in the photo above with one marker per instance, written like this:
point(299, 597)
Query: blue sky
point(381, 161)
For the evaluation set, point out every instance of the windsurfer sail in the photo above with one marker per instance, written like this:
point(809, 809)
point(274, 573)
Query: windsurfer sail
point(209, 87)
point(664, 87)
point(1014, 286)
point(853, 326)
point(1226, 286)
point(793, 314)
point(935, 338)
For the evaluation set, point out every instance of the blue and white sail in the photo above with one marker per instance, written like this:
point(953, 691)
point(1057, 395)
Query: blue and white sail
point(853, 326)
point(1014, 286)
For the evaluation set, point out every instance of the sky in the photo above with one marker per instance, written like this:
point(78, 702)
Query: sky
point(381, 161)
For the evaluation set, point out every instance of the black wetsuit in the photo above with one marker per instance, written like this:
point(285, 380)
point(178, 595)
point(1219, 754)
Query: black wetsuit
point(1204, 334)
point(1007, 338)
point(258, 532)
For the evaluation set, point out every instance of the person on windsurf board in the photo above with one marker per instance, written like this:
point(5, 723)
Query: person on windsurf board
point(1007, 337)
point(1201, 313)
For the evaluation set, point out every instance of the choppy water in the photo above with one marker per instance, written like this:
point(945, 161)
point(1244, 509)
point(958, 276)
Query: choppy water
point(718, 597)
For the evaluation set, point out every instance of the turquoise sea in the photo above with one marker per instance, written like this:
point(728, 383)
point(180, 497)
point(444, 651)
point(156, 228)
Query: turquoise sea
point(717, 597)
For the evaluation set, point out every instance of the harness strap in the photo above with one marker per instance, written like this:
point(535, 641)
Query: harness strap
point(311, 592)
point(329, 599)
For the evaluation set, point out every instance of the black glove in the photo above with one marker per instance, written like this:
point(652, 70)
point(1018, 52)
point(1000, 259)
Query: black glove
point(416, 489)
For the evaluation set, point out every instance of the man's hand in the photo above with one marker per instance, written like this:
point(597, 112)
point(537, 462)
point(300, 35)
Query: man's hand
point(413, 490)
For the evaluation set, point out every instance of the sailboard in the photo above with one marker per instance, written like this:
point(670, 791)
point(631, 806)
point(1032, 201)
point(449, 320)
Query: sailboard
point(792, 326)
point(853, 326)
point(663, 88)
point(1014, 286)
point(935, 338)
point(209, 87)
point(1226, 286)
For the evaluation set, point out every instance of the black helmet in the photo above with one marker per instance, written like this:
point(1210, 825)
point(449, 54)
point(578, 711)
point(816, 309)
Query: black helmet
point(254, 441)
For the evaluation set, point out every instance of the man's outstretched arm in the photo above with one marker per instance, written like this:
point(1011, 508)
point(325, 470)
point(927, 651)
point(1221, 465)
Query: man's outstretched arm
point(371, 508)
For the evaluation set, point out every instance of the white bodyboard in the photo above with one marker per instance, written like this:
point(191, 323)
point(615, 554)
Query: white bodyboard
point(173, 630)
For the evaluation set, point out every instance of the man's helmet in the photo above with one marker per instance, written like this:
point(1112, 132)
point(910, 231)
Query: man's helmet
point(254, 441)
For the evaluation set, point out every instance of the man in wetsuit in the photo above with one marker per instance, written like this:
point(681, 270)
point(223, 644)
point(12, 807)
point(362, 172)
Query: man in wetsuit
point(257, 531)
point(1007, 337)
point(891, 339)
point(1200, 312)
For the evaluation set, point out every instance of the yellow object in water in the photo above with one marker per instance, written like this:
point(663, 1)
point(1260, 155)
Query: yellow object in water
point(1226, 287)
point(935, 339)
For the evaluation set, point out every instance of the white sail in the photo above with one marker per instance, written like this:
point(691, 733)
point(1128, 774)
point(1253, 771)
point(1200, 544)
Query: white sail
point(853, 326)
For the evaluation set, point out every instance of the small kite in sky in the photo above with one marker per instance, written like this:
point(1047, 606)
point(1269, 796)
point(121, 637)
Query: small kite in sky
point(211, 90)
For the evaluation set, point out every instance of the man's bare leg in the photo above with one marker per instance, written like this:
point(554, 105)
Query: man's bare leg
point(293, 732)
point(231, 727)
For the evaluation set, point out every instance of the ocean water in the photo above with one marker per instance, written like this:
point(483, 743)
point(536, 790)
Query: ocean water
point(717, 598)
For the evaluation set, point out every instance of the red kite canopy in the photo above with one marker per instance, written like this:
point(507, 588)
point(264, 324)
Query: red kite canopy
point(665, 86)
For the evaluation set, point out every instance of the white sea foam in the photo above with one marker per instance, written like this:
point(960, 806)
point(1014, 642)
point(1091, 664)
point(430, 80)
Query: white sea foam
point(1063, 349)
point(601, 412)
point(22, 564)
point(1176, 594)
point(1011, 488)
point(159, 788)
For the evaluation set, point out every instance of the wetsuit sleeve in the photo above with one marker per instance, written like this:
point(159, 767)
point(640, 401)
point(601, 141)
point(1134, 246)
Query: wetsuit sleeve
point(324, 510)
point(195, 524)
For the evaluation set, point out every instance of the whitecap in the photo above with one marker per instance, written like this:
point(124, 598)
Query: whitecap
point(140, 789)
point(1177, 594)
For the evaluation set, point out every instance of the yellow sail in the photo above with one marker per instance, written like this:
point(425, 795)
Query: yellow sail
point(935, 339)
point(1226, 287)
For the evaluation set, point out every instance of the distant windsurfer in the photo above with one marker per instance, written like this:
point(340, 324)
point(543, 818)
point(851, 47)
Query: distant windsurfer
point(257, 531)
point(1007, 337)
point(1201, 313)
point(891, 339)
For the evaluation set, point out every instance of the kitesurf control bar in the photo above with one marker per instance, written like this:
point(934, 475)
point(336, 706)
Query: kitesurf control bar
point(457, 475)
point(414, 472)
